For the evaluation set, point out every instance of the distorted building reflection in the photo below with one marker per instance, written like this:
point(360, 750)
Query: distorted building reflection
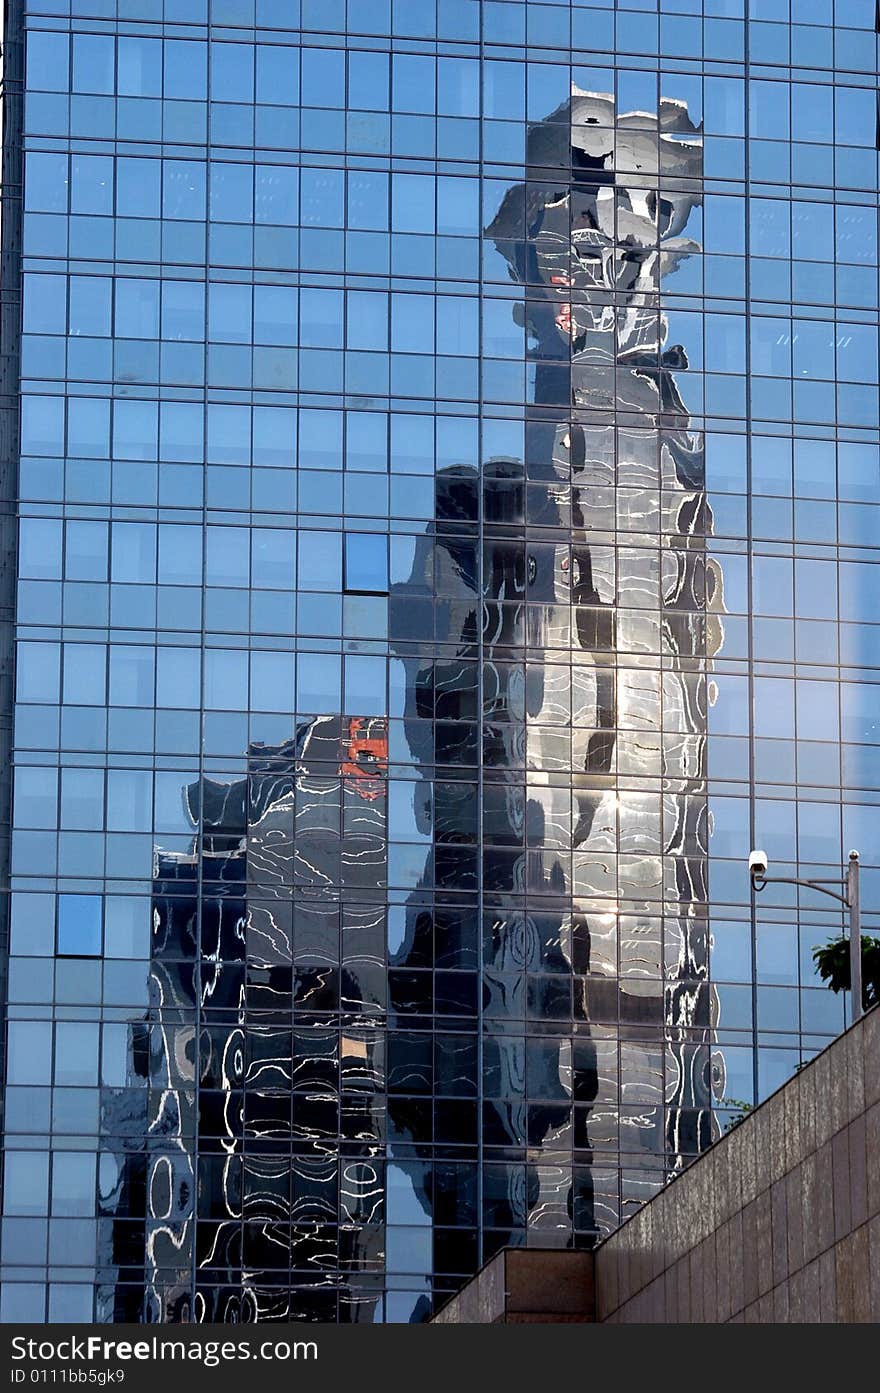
point(580, 657)
point(434, 983)
point(256, 1075)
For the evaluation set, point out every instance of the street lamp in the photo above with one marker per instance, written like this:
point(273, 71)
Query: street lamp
point(849, 885)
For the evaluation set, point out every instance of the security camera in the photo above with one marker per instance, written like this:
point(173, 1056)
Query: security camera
point(757, 863)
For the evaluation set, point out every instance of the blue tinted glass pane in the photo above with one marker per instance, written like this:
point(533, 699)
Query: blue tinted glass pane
point(366, 562)
point(79, 925)
point(365, 686)
point(318, 683)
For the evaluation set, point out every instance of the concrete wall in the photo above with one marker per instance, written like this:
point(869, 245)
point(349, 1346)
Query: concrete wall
point(780, 1221)
point(522, 1286)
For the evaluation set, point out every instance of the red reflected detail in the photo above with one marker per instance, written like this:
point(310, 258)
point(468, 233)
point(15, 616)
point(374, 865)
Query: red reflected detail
point(564, 317)
point(365, 753)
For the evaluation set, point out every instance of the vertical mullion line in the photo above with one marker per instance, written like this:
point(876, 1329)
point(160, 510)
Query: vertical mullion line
point(10, 323)
point(618, 301)
point(201, 754)
point(481, 182)
point(841, 773)
point(437, 1040)
point(656, 545)
point(750, 654)
point(570, 898)
point(389, 211)
point(840, 924)
point(614, 653)
point(296, 258)
point(108, 573)
point(841, 764)
point(340, 912)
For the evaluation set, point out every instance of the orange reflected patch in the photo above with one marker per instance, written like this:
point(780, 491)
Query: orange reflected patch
point(365, 756)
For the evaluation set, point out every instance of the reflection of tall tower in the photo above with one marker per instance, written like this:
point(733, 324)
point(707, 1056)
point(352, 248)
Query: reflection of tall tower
point(428, 985)
point(592, 258)
point(577, 584)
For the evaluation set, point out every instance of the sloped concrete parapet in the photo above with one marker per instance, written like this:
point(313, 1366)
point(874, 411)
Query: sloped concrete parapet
point(778, 1223)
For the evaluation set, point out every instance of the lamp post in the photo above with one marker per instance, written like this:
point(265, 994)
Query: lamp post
point(847, 895)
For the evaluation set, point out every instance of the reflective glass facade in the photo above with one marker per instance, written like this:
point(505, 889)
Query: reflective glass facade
point(448, 491)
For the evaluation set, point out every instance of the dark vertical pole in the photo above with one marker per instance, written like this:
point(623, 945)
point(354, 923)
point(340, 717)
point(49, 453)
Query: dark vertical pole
point(855, 933)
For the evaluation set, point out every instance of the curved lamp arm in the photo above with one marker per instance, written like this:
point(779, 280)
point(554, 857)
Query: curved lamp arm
point(848, 896)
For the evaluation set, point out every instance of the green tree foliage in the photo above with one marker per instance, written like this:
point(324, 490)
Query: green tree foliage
point(744, 1109)
point(832, 965)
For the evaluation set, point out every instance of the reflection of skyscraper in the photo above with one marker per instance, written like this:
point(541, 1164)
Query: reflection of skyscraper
point(337, 1120)
point(581, 658)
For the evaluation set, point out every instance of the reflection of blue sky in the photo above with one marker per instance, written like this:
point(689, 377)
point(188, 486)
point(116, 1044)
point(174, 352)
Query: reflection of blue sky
point(408, 1234)
point(404, 1203)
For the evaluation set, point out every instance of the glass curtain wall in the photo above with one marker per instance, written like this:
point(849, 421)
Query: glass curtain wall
point(448, 445)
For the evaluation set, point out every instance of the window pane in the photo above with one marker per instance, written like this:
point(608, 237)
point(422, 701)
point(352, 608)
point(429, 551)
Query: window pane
point(366, 562)
point(79, 925)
